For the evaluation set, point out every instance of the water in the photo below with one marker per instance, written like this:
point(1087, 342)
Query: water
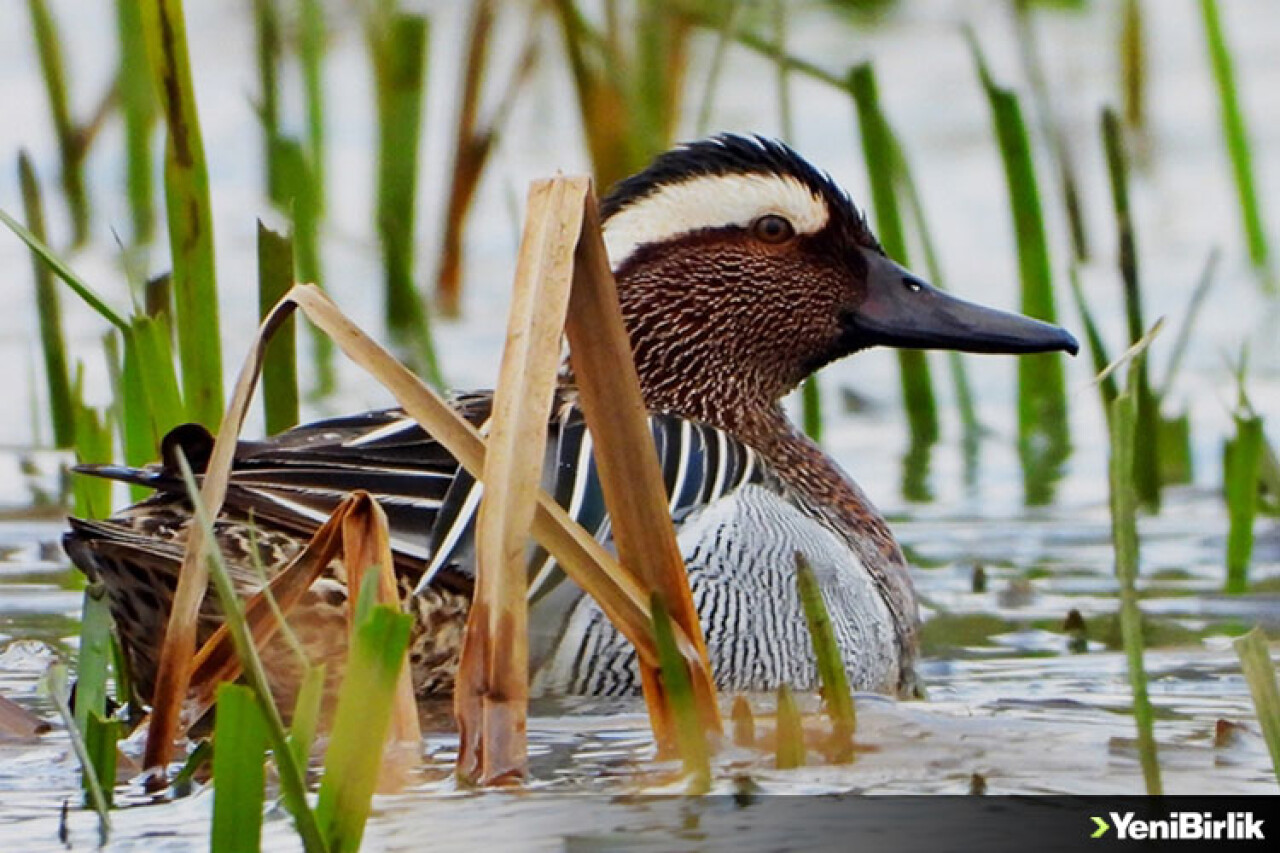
point(1009, 699)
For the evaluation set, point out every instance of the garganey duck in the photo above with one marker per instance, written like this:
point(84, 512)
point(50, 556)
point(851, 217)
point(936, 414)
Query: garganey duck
point(741, 270)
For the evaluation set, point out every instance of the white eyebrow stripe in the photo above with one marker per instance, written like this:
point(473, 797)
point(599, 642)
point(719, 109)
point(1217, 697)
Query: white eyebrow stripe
point(711, 201)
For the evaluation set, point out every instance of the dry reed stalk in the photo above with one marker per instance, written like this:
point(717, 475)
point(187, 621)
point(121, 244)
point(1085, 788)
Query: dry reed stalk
point(609, 392)
point(366, 545)
point(492, 691)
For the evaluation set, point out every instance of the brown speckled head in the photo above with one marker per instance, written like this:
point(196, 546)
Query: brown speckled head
point(742, 269)
point(735, 260)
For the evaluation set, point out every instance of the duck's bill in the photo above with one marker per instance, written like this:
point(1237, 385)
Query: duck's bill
point(901, 310)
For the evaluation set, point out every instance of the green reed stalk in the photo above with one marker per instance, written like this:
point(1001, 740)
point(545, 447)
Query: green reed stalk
point(93, 658)
point(301, 199)
point(1051, 128)
point(292, 776)
point(1043, 436)
point(70, 144)
point(311, 48)
point(970, 428)
point(52, 343)
point(280, 364)
point(364, 714)
point(186, 179)
point(239, 770)
point(91, 496)
point(878, 152)
point(1133, 65)
point(138, 109)
point(1147, 460)
point(691, 737)
point(1237, 138)
point(1124, 532)
point(56, 679)
point(1243, 462)
point(266, 21)
point(94, 655)
point(656, 78)
point(398, 43)
point(835, 681)
point(1260, 673)
point(151, 403)
point(790, 751)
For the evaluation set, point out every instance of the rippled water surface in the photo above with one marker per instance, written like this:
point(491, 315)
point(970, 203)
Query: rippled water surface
point(1016, 702)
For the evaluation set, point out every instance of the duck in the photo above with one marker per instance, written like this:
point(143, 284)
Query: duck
point(742, 269)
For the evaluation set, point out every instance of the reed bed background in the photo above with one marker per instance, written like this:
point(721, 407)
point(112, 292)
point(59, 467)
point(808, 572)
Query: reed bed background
point(627, 76)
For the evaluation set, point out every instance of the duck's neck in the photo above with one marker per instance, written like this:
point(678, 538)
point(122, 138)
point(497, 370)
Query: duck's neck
point(828, 492)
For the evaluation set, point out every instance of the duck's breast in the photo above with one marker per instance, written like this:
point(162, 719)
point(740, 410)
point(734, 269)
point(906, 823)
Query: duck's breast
point(740, 551)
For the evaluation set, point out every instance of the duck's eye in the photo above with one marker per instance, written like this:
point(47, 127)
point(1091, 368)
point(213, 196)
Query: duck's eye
point(772, 228)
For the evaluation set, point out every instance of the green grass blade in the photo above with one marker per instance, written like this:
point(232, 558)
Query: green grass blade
point(64, 272)
point(186, 180)
point(305, 721)
point(1043, 436)
point(100, 738)
point(880, 157)
point(1237, 137)
point(1243, 463)
point(239, 770)
point(1051, 129)
point(280, 364)
point(94, 655)
point(790, 751)
point(690, 735)
point(1124, 531)
point(266, 25)
point(138, 108)
point(399, 49)
point(1097, 346)
point(312, 36)
point(835, 682)
point(70, 147)
point(56, 680)
point(52, 342)
point(361, 722)
point(1147, 459)
point(292, 778)
point(1260, 673)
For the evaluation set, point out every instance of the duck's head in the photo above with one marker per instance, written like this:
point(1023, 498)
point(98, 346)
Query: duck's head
point(742, 269)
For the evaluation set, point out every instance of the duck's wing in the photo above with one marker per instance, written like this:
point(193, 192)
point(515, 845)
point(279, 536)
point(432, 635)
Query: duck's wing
point(293, 481)
point(699, 465)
